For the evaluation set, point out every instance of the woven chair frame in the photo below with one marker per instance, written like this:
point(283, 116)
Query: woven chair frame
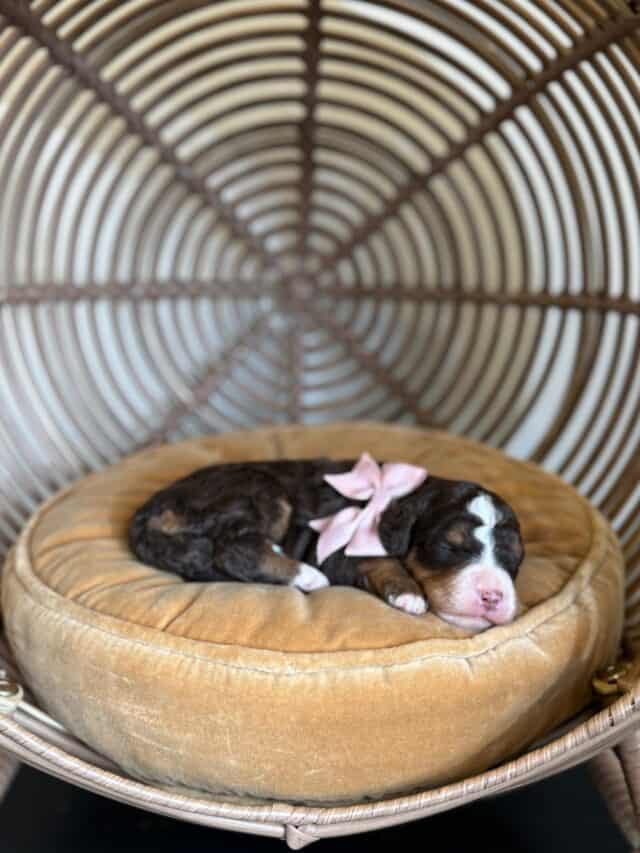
point(215, 215)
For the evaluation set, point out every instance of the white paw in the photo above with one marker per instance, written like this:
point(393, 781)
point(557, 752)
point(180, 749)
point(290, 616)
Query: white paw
point(309, 578)
point(409, 602)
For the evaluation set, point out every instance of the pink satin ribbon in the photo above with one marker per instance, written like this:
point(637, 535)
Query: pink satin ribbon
point(357, 527)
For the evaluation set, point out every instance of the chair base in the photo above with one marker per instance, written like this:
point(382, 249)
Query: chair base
point(8, 769)
point(616, 773)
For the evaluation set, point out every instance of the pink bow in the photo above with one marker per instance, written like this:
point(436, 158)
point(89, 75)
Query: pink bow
point(357, 527)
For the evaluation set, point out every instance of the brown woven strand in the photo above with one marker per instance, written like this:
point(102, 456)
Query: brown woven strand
point(218, 215)
point(8, 769)
point(609, 772)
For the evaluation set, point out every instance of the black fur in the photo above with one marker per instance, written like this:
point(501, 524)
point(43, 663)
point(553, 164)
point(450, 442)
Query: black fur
point(226, 512)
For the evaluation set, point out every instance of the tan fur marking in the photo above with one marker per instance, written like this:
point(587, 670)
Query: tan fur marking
point(280, 526)
point(278, 566)
point(437, 586)
point(167, 522)
point(457, 533)
point(387, 577)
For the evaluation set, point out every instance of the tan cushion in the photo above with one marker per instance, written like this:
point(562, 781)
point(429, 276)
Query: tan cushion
point(261, 691)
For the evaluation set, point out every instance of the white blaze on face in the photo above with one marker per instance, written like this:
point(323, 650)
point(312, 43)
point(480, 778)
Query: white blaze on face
point(484, 508)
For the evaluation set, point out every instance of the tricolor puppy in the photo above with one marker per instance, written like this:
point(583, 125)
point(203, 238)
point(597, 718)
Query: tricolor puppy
point(412, 539)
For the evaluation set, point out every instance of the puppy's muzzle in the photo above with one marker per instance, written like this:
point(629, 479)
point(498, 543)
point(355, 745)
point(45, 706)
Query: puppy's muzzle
point(480, 596)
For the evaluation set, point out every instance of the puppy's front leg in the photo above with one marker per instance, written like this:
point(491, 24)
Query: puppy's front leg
point(387, 579)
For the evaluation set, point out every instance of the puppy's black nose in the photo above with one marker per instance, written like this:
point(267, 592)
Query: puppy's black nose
point(491, 597)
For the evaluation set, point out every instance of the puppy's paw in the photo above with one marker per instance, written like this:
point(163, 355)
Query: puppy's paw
point(309, 578)
point(409, 602)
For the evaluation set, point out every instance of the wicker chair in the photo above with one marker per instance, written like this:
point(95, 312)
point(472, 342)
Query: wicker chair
point(219, 214)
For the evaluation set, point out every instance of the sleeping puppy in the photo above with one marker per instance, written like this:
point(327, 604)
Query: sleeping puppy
point(450, 545)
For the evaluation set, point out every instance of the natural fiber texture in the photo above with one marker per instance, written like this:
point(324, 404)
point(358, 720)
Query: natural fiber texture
point(218, 214)
point(8, 769)
point(616, 772)
point(234, 213)
point(171, 680)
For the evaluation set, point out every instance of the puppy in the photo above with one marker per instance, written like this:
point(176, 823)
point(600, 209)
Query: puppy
point(450, 545)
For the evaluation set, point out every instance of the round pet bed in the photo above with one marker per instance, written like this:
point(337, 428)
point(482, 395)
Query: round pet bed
point(263, 693)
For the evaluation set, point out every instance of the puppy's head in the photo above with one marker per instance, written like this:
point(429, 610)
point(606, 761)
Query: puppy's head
point(464, 548)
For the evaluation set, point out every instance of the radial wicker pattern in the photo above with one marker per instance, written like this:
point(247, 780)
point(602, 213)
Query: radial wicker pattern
point(219, 214)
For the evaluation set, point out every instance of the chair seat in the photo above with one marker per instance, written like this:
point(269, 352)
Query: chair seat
point(262, 693)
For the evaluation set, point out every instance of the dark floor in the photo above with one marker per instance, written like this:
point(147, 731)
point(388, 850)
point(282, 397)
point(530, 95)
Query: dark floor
point(560, 815)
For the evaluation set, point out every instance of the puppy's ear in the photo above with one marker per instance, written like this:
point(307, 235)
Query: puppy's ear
point(395, 527)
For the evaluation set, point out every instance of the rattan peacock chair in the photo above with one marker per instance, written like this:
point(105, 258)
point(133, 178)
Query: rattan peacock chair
point(220, 214)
